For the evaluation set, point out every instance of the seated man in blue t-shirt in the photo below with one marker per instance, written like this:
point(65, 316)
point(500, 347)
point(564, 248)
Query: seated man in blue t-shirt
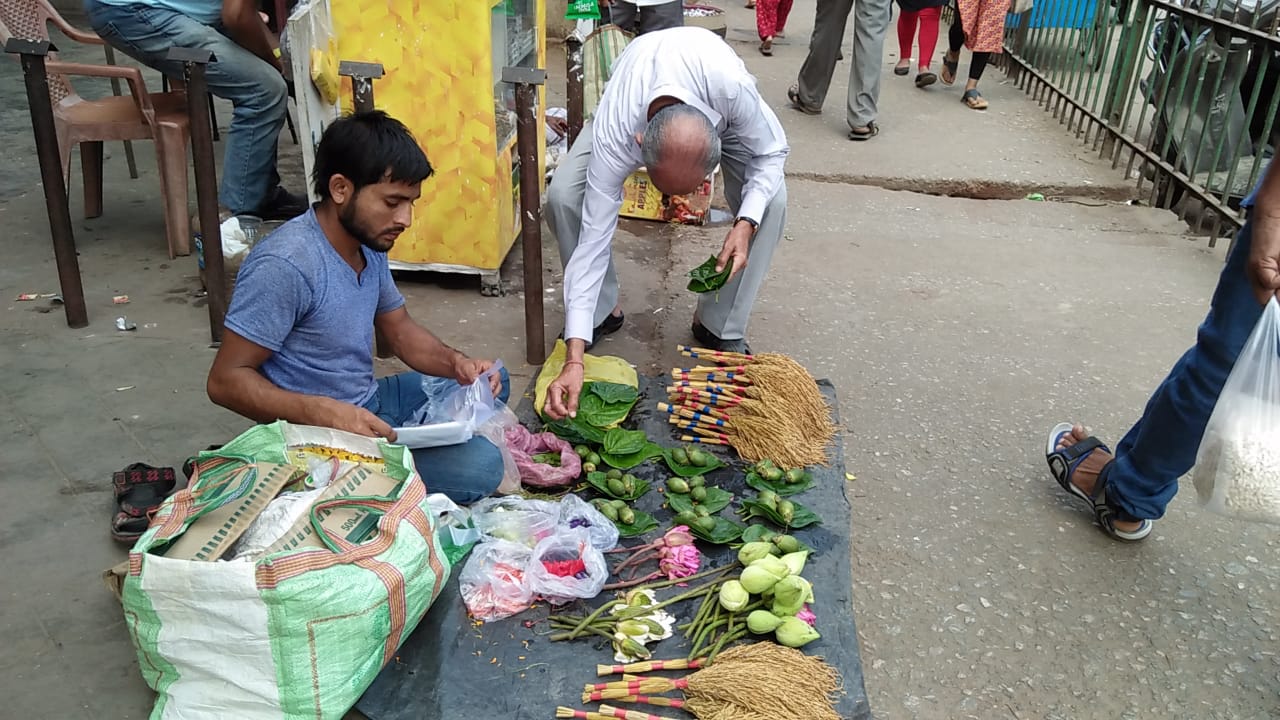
point(298, 343)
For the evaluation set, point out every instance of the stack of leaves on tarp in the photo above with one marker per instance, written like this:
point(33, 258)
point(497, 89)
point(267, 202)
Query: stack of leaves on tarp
point(602, 406)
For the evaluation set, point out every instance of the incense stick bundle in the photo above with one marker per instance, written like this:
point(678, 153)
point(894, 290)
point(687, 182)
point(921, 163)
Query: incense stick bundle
point(564, 712)
point(713, 355)
point(654, 700)
point(703, 440)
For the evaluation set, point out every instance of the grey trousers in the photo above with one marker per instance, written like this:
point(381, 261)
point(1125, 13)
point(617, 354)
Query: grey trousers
point(870, 25)
point(726, 312)
point(640, 20)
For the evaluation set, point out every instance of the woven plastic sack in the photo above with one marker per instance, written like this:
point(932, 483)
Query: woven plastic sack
point(567, 567)
point(523, 445)
point(515, 519)
point(291, 634)
point(1237, 471)
point(576, 513)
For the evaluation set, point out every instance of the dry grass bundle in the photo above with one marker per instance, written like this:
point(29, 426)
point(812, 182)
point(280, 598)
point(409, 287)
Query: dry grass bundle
point(771, 406)
point(764, 681)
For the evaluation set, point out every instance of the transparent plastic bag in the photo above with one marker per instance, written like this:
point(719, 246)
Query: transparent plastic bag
point(567, 567)
point(495, 431)
point(1237, 471)
point(493, 584)
point(515, 519)
point(452, 413)
point(576, 513)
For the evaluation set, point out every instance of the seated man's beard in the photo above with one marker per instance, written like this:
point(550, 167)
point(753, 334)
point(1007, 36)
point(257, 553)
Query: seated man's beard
point(361, 231)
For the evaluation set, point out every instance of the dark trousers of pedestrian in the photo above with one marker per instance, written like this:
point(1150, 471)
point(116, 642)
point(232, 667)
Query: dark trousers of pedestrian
point(955, 40)
point(639, 20)
point(870, 25)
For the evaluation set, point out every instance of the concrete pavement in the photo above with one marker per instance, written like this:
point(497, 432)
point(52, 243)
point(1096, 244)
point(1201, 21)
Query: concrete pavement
point(957, 331)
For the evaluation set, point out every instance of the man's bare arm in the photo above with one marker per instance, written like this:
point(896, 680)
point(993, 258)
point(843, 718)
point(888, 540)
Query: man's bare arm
point(236, 383)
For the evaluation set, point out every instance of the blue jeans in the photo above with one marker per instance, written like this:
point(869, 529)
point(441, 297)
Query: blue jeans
point(253, 86)
point(466, 472)
point(1162, 446)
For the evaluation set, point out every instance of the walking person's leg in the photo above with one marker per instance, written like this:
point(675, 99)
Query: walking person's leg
point(1133, 487)
point(766, 24)
point(784, 12)
point(810, 90)
point(870, 25)
point(972, 98)
point(906, 39)
point(661, 17)
point(563, 208)
point(951, 61)
point(929, 21)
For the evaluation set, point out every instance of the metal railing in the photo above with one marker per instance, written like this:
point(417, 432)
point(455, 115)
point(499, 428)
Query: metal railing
point(1183, 97)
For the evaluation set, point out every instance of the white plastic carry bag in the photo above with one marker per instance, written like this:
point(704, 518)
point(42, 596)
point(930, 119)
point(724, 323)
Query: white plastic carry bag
point(1237, 469)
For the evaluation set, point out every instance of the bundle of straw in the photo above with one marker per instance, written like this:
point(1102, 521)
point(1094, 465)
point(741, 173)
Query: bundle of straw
point(764, 406)
point(760, 681)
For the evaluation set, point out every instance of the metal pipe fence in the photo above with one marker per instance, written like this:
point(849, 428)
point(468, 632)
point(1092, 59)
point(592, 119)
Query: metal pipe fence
point(1181, 96)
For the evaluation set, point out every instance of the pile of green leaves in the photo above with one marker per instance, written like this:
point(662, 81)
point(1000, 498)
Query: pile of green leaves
point(625, 449)
point(704, 278)
point(600, 406)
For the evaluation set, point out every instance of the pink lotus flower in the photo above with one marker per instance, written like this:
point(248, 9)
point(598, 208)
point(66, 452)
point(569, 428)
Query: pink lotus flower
point(677, 536)
point(680, 561)
point(807, 615)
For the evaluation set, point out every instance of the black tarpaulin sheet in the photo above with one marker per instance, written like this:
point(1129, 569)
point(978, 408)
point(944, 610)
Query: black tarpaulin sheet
point(450, 668)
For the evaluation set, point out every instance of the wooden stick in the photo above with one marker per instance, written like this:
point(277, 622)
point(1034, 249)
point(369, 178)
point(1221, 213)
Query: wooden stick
point(645, 666)
point(703, 431)
point(715, 369)
point(647, 685)
point(734, 390)
point(690, 413)
point(682, 394)
point(715, 431)
point(655, 700)
point(703, 409)
point(702, 441)
point(715, 355)
point(564, 712)
point(724, 377)
point(620, 714)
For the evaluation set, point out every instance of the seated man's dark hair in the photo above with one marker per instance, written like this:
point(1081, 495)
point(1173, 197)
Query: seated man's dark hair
point(368, 148)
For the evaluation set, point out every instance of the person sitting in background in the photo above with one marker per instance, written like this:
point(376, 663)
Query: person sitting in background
point(246, 70)
point(644, 16)
point(299, 333)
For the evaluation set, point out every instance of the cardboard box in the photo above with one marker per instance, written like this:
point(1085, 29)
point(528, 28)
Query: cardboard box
point(643, 201)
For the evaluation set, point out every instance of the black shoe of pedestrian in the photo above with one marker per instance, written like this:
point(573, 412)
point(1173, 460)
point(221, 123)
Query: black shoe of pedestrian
point(710, 341)
point(281, 205)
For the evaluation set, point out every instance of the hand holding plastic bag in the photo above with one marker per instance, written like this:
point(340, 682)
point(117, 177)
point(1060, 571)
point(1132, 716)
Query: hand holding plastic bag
point(1237, 469)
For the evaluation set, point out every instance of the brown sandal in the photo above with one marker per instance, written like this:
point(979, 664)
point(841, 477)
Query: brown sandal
point(974, 100)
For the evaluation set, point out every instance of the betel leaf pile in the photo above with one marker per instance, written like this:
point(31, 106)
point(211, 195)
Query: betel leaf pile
point(704, 278)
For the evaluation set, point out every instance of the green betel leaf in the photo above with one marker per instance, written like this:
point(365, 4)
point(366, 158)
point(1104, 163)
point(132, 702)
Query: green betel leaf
point(626, 462)
point(781, 486)
point(704, 278)
point(618, 442)
point(723, 533)
point(643, 524)
point(800, 517)
point(613, 392)
point(593, 410)
point(576, 431)
point(716, 500)
point(600, 481)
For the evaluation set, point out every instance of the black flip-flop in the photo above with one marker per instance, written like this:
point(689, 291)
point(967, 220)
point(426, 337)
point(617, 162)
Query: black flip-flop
point(140, 488)
point(952, 68)
point(925, 79)
point(871, 130)
point(1063, 464)
point(901, 70)
point(793, 94)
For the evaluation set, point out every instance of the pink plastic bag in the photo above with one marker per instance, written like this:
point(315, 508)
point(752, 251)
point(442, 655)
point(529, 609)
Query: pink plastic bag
point(524, 445)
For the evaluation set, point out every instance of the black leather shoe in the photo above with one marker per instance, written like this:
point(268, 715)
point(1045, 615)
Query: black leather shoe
point(282, 205)
point(709, 341)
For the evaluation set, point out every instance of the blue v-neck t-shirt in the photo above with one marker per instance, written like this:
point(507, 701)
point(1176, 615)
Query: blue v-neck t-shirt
point(298, 298)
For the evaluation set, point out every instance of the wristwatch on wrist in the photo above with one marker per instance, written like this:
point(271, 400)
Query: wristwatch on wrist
point(742, 218)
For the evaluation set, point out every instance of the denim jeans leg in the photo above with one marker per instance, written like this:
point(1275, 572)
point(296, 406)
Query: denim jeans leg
point(1162, 446)
point(253, 86)
point(467, 472)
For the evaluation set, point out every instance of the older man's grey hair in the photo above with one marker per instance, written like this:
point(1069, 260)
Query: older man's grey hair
point(659, 129)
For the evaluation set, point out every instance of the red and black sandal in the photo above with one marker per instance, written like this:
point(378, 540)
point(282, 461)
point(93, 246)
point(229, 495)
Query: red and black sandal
point(139, 490)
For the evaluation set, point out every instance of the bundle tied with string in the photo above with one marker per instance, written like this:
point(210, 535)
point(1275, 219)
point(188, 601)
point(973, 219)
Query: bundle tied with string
point(764, 406)
point(760, 681)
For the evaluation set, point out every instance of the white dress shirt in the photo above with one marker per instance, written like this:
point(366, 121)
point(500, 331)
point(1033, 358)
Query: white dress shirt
point(698, 68)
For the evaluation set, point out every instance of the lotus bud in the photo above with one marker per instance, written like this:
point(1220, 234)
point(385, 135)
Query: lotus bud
point(631, 628)
point(752, 551)
point(794, 632)
point(795, 561)
point(733, 597)
point(631, 648)
point(774, 566)
point(788, 595)
point(762, 621)
point(756, 580)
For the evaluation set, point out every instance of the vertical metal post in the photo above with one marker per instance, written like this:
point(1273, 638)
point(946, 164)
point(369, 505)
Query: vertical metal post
point(32, 54)
point(362, 75)
point(573, 85)
point(527, 81)
point(193, 69)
